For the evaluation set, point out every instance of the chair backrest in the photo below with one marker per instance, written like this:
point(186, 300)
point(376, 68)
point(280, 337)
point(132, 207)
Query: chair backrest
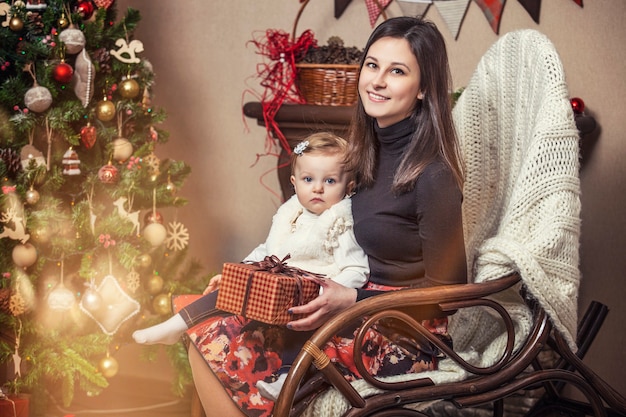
point(519, 143)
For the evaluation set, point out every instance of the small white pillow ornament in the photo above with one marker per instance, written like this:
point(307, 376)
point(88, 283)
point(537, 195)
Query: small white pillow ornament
point(115, 308)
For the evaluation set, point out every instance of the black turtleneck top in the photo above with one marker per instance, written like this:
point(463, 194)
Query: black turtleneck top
point(416, 238)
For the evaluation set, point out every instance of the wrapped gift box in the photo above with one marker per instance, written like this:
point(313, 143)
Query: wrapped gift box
point(264, 291)
point(14, 406)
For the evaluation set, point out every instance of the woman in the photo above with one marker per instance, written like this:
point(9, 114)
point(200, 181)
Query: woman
point(407, 213)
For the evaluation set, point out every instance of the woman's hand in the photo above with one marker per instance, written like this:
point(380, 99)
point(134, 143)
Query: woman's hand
point(214, 284)
point(333, 299)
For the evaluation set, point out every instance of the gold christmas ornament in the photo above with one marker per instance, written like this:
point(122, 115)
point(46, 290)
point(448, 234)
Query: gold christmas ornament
point(129, 88)
point(144, 261)
point(16, 24)
point(155, 233)
point(162, 304)
point(108, 366)
point(154, 284)
point(24, 255)
point(63, 22)
point(32, 196)
point(122, 149)
point(105, 110)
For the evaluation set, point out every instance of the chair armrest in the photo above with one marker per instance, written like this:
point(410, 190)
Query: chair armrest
point(445, 296)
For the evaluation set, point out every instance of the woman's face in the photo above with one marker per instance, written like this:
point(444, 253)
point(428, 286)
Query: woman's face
point(389, 82)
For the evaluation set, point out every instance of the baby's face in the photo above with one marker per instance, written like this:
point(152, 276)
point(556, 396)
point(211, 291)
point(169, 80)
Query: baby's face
point(319, 181)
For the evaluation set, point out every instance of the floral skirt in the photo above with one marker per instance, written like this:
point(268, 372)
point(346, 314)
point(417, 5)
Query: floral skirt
point(241, 352)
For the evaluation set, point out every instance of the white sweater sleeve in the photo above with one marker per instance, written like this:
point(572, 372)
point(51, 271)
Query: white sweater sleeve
point(351, 260)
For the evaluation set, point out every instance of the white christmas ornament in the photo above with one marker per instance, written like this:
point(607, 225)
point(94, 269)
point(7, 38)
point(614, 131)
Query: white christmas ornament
point(71, 163)
point(122, 149)
point(132, 217)
point(38, 99)
point(155, 233)
point(74, 40)
point(14, 216)
point(178, 238)
point(24, 255)
point(83, 80)
point(127, 51)
point(30, 153)
point(61, 298)
point(91, 300)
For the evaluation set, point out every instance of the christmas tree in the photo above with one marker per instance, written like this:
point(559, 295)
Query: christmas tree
point(85, 254)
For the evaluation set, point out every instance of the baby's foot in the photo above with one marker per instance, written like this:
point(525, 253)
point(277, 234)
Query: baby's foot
point(271, 390)
point(166, 333)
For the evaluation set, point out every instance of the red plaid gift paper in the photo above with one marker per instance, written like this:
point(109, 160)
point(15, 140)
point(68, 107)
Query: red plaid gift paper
point(14, 405)
point(265, 290)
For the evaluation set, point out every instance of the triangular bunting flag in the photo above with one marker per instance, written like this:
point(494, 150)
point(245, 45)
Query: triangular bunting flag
point(532, 7)
point(340, 7)
point(453, 13)
point(414, 8)
point(375, 8)
point(579, 2)
point(492, 10)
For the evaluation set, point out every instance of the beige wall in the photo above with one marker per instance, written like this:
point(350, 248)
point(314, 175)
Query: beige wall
point(199, 52)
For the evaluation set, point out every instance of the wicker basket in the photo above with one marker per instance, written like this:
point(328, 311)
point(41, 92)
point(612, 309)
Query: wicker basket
point(328, 84)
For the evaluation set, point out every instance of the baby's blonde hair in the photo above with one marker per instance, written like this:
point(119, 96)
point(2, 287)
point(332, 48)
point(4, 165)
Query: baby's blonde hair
point(326, 143)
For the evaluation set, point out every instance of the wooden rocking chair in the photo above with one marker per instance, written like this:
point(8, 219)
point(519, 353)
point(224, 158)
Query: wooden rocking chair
point(521, 218)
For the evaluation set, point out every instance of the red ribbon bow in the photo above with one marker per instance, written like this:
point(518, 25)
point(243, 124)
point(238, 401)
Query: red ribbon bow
point(278, 76)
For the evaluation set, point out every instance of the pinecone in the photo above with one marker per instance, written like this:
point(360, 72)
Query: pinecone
point(35, 24)
point(333, 53)
point(12, 160)
point(5, 300)
point(102, 58)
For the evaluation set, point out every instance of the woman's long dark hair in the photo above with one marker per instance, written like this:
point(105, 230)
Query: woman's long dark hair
point(434, 135)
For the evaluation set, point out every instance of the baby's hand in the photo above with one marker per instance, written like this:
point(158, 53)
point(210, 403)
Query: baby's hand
point(214, 284)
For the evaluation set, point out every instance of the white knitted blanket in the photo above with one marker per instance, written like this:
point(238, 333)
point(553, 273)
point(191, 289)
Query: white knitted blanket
point(521, 200)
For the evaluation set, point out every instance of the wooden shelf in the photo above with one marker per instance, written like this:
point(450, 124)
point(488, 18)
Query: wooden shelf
point(297, 121)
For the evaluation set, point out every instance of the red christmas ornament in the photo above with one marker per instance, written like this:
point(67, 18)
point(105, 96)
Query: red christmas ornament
point(63, 73)
point(88, 135)
point(84, 8)
point(153, 217)
point(108, 174)
point(578, 105)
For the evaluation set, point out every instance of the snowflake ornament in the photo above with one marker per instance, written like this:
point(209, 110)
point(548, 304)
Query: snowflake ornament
point(178, 236)
point(132, 281)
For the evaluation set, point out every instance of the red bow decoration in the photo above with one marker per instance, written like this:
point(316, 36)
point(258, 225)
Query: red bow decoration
point(278, 76)
point(274, 265)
